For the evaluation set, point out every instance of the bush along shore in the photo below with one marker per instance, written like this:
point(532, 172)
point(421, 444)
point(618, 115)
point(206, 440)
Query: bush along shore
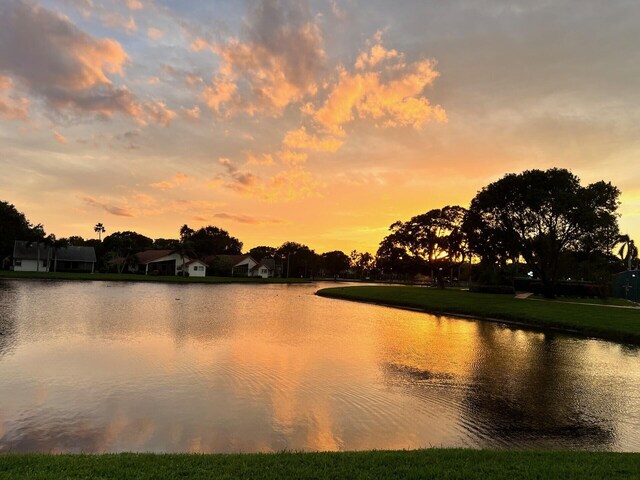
point(130, 277)
point(601, 321)
point(450, 464)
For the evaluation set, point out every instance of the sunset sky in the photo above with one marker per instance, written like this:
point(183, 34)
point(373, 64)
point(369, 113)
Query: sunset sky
point(320, 122)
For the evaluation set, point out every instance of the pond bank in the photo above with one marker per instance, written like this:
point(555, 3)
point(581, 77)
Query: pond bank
point(432, 463)
point(600, 321)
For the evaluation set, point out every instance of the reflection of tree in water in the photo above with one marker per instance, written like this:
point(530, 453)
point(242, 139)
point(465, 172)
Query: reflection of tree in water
point(533, 388)
point(522, 388)
point(8, 328)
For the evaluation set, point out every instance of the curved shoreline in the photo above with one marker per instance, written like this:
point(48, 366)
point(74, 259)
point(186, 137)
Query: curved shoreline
point(585, 332)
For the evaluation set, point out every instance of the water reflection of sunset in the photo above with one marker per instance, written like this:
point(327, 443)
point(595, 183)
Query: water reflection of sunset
point(150, 367)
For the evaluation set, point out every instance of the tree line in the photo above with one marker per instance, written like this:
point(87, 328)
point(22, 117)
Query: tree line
point(538, 223)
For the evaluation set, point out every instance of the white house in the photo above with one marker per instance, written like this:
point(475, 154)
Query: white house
point(168, 262)
point(30, 257)
point(243, 265)
point(195, 268)
point(38, 257)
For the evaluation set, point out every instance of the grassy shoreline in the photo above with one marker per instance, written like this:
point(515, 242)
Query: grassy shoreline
point(600, 321)
point(129, 277)
point(432, 463)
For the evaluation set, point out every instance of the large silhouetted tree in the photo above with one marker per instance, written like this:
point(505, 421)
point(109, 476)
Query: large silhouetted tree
point(297, 260)
point(212, 240)
point(434, 240)
point(335, 262)
point(15, 226)
point(538, 216)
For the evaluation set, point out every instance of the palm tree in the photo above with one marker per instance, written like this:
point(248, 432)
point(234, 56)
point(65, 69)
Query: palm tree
point(628, 251)
point(99, 229)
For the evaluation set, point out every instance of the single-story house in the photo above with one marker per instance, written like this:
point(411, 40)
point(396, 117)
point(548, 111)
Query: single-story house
point(77, 259)
point(195, 268)
point(166, 262)
point(30, 257)
point(241, 265)
point(38, 257)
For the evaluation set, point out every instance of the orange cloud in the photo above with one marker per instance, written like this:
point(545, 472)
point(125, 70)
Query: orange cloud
point(12, 107)
point(192, 114)
point(263, 159)
point(135, 5)
point(277, 64)
point(377, 54)
point(291, 157)
point(67, 67)
point(154, 33)
point(395, 99)
point(290, 185)
point(221, 92)
point(301, 140)
point(59, 137)
point(177, 180)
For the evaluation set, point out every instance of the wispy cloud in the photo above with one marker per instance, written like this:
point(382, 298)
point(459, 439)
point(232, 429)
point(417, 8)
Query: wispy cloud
point(118, 210)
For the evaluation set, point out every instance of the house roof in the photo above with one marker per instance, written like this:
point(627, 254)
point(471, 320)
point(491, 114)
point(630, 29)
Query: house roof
point(195, 261)
point(76, 254)
point(149, 256)
point(23, 250)
point(262, 265)
point(233, 259)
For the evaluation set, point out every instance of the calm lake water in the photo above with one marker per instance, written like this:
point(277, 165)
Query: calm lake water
point(109, 367)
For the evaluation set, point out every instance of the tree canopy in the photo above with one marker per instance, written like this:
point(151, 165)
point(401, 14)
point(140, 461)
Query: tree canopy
point(430, 240)
point(335, 262)
point(538, 215)
point(260, 252)
point(15, 226)
point(211, 240)
point(124, 243)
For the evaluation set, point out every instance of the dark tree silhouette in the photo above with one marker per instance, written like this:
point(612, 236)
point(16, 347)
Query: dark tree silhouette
point(15, 226)
point(211, 240)
point(298, 260)
point(258, 253)
point(335, 262)
point(539, 215)
point(434, 240)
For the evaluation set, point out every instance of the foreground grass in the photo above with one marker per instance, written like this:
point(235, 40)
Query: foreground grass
point(130, 277)
point(432, 464)
point(617, 324)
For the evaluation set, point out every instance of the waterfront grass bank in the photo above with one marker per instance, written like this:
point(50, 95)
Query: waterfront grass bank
point(601, 321)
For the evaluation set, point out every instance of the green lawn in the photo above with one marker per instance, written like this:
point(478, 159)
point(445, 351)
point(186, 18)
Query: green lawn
point(447, 464)
point(597, 301)
point(129, 277)
point(618, 324)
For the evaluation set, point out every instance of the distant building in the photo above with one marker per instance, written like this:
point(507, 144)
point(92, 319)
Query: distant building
point(74, 259)
point(30, 257)
point(38, 257)
point(240, 266)
point(165, 262)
